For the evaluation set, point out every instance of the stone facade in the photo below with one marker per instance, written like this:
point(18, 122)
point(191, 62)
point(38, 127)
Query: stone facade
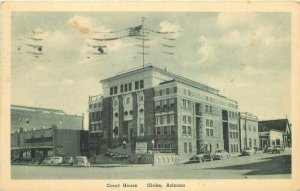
point(248, 131)
point(153, 105)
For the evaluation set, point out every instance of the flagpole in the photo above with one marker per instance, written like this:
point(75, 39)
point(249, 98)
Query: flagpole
point(143, 18)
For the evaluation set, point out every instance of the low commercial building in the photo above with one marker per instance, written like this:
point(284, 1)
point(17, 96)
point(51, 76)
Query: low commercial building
point(248, 131)
point(46, 132)
point(274, 133)
point(166, 111)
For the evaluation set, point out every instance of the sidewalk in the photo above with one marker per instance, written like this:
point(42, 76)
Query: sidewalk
point(119, 165)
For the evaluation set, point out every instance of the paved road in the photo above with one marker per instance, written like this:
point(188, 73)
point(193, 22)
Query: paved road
point(257, 166)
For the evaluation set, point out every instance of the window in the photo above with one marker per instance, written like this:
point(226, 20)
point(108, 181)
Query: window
point(125, 87)
point(210, 109)
point(141, 98)
point(121, 88)
point(189, 93)
point(166, 130)
point(249, 127)
point(172, 102)
point(211, 123)
point(165, 103)
point(157, 120)
point(157, 104)
point(207, 132)
point(115, 89)
point(136, 85)
point(158, 131)
point(165, 119)
point(167, 91)
point(211, 132)
point(127, 100)
point(189, 130)
point(207, 123)
point(206, 108)
point(185, 147)
point(184, 130)
point(250, 143)
point(111, 91)
point(175, 90)
point(254, 142)
point(173, 130)
point(184, 119)
point(168, 119)
point(141, 84)
point(172, 119)
point(141, 128)
point(161, 120)
point(129, 87)
point(190, 147)
point(189, 119)
point(254, 128)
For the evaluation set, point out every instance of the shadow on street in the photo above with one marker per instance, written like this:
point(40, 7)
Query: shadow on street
point(270, 166)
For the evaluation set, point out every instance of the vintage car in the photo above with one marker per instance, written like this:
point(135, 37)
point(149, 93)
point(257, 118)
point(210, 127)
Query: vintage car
point(57, 160)
point(47, 161)
point(248, 152)
point(68, 161)
point(82, 161)
point(221, 154)
point(201, 157)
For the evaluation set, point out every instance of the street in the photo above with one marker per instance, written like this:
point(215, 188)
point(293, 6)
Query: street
point(258, 166)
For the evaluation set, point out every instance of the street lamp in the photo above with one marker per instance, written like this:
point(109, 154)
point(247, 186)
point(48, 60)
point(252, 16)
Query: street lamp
point(153, 150)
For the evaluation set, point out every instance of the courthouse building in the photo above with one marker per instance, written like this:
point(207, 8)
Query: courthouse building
point(173, 113)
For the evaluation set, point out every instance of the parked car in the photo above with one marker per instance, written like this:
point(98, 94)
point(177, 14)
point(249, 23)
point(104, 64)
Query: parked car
point(47, 161)
point(201, 157)
point(82, 161)
point(57, 160)
point(68, 161)
point(259, 150)
point(197, 158)
point(248, 152)
point(221, 154)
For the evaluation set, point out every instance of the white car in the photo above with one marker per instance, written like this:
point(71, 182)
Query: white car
point(82, 161)
point(57, 160)
point(221, 154)
point(248, 152)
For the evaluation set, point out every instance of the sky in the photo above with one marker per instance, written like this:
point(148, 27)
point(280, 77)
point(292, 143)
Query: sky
point(247, 56)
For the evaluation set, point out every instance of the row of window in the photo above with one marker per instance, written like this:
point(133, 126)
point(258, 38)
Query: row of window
point(233, 134)
point(209, 132)
point(233, 126)
point(232, 115)
point(209, 123)
point(187, 104)
point(95, 127)
point(208, 109)
point(127, 87)
point(187, 119)
point(95, 115)
point(254, 128)
point(164, 119)
point(186, 130)
point(250, 143)
point(165, 130)
point(95, 105)
point(166, 91)
point(165, 103)
point(234, 148)
point(185, 147)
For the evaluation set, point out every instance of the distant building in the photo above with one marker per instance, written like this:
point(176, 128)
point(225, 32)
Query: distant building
point(30, 118)
point(152, 105)
point(275, 132)
point(46, 132)
point(248, 130)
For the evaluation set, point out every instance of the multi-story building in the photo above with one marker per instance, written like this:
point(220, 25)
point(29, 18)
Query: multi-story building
point(152, 105)
point(248, 130)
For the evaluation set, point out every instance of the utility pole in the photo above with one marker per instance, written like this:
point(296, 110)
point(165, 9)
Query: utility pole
point(143, 34)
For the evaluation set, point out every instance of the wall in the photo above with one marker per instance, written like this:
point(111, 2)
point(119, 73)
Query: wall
point(36, 119)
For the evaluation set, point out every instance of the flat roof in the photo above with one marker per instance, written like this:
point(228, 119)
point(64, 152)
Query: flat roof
point(175, 76)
